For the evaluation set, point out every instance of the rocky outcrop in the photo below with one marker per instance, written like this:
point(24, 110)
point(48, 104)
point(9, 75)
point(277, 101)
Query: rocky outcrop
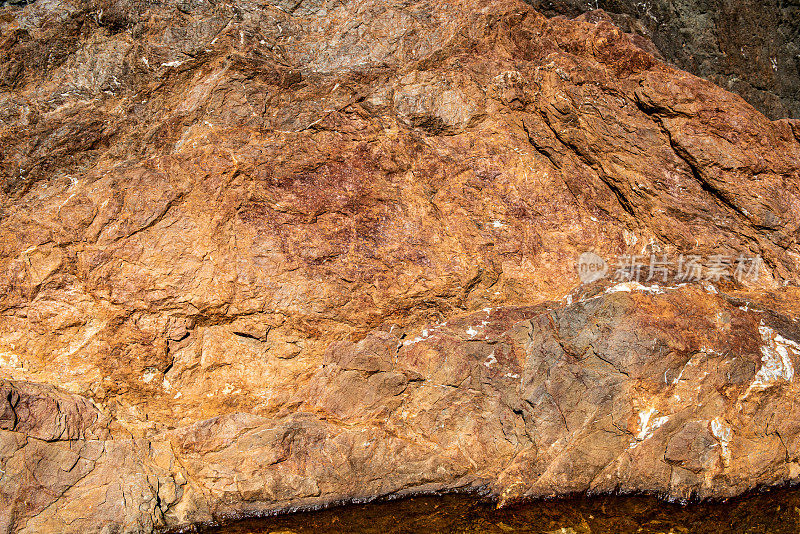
point(261, 255)
point(681, 392)
point(751, 48)
point(619, 391)
point(64, 462)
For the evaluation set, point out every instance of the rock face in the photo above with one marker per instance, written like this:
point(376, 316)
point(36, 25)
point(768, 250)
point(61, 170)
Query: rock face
point(749, 47)
point(263, 255)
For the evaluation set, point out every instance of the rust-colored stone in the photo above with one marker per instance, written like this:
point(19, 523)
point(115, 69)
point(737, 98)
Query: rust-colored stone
point(262, 255)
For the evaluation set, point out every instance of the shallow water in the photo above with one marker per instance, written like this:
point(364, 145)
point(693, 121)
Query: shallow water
point(777, 511)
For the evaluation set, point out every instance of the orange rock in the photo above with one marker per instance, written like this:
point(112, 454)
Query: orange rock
point(285, 255)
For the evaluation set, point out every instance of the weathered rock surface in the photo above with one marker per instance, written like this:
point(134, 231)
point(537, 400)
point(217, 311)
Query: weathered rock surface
point(262, 255)
point(749, 47)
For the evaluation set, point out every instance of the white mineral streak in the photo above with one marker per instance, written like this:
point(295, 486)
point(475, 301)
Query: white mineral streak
point(776, 363)
point(647, 425)
point(723, 435)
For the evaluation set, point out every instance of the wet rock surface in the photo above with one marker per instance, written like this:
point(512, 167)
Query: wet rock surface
point(773, 513)
point(257, 256)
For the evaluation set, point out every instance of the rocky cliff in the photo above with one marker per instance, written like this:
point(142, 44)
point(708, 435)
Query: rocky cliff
point(749, 47)
point(263, 255)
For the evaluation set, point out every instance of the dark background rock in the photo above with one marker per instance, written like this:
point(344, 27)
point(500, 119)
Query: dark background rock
point(751, 48)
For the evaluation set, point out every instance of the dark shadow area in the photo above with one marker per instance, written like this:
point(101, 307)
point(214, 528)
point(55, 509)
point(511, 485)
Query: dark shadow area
point(774, 512)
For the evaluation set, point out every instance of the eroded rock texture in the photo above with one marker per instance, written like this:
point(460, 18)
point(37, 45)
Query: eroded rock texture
point(747, 46)
point(260, 255)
